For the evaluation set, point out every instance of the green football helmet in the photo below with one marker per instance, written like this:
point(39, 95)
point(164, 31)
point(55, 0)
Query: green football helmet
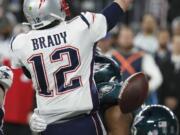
point(107, 76)
point(155, 120)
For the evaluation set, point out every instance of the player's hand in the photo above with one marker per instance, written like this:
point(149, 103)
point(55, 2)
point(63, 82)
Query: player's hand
point(37, 124)
point(6, 77)
point(124, 4)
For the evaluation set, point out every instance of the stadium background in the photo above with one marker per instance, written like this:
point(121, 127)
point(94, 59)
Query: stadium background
point(156, 28)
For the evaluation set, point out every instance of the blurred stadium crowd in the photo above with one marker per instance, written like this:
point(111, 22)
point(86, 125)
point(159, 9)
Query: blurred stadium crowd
point(148, 40)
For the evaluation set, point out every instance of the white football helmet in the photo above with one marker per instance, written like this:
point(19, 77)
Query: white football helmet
point(6, 77)
point(41, 13)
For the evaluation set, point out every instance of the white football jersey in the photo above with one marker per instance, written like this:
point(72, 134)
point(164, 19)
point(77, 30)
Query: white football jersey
point(60, 61)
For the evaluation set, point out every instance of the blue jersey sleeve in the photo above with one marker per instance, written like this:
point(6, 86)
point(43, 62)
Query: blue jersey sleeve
point(114, 14)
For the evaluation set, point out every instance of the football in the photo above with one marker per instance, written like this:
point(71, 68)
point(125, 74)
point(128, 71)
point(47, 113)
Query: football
point(134, 92)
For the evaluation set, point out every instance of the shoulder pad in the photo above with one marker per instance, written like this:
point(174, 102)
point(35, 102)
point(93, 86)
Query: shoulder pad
point(17, 41)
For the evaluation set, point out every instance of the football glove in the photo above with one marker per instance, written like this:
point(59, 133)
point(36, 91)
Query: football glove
point(37, 124)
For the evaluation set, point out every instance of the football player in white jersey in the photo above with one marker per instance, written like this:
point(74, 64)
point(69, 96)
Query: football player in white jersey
point(58, 56)
point(6, 79)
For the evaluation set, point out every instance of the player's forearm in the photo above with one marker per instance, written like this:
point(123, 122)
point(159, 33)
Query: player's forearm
point(114, 14)
point(1, 95)
point(124, 4)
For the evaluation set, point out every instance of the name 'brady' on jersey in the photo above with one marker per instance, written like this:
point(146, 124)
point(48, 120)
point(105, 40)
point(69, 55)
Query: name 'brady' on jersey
point(49, 41)
point(60, 61)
